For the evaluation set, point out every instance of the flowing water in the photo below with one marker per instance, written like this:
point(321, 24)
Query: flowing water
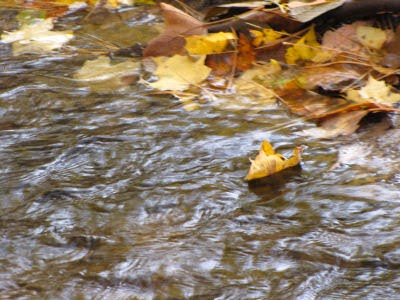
point(126, 195)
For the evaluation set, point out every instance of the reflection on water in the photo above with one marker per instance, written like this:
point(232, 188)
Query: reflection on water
point(119, 196)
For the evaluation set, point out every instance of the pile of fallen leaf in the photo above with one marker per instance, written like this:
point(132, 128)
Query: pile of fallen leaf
point(334, 78)
point(274, 51)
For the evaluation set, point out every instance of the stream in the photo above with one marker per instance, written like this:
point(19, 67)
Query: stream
point(127, 195)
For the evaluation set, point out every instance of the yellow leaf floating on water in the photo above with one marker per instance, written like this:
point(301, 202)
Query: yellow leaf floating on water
point(305, 48)
point(178, 72)
point(267, 162)
point(208, 44)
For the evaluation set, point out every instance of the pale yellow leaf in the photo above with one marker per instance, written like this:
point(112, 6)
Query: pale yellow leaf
point(306, 11)
point(36, 37)
point(376, 91)
point(178, 72)
point(252, 91)
point(305, 48)
point(102, 76)
point(208, 44)
point(371, 37)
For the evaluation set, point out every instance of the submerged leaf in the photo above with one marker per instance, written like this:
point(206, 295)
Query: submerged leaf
point(338, 124)
point(178, 72)
point(36, 37)
point(267, 162)
point(101, 76)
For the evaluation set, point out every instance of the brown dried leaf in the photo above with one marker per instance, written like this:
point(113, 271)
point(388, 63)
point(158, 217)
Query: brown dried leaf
point(171, 41)
point(331, 78)
point(344, 123)
point(344, 39)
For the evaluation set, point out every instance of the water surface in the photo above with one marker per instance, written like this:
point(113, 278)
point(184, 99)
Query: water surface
point(126, 195)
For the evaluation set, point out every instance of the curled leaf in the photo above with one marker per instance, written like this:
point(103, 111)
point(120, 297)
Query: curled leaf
point(267, 162)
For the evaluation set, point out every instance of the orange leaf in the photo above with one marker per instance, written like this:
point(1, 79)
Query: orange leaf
point(221, 64)
point(246, 54)
point(225, 63)
point(267, 162)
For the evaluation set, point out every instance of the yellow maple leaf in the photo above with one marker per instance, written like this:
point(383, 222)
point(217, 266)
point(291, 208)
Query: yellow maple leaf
point(267, 162)
point(208, 44)
point(376, 91)
point(265, 36)
point(178, 72)
point(305, 48)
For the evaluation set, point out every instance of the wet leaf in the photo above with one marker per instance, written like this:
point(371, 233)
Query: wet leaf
point(376, 91)
point(307, 103)
point(101, 76)
point(246, 55)
point(265, 36)
point(306, 11)
point(177, 25)
point(245, 95)
point(36, 37)
point(371, 37)
point(267, 162)
point(221, 64)
point(338, 124)
point(330, 78)
point(106, 3)
point(208, 44)
point(240, 59)
point(305, 48)
point(344, 39)
point(178, 72)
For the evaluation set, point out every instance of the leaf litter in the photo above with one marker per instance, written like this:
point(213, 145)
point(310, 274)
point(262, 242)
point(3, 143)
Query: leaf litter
point(344, 62)
point(334, 79)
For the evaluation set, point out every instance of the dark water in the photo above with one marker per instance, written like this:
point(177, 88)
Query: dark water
point(126, 195)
